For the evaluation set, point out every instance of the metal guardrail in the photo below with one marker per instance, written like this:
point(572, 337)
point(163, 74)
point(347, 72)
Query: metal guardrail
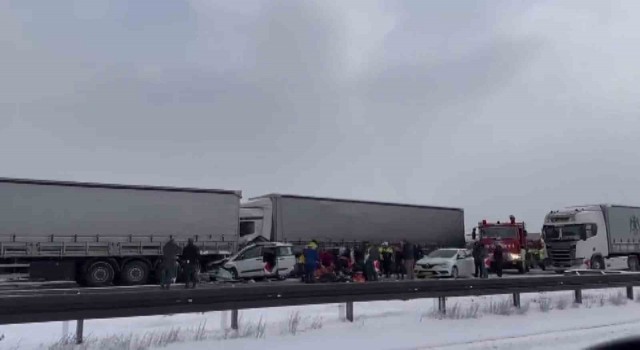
point(95, 303)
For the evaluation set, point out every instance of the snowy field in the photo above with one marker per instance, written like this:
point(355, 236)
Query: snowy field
point(546, 320)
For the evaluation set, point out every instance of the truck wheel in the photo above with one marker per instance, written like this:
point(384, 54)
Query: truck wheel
point(135, 272)
point(99, 274)
point(521, 269)
point(597, 263)
point(634, 264)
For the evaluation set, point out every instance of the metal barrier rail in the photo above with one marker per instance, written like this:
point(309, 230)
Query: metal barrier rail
point(90, 303)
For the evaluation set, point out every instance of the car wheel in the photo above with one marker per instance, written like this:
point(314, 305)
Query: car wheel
point(454, 272)
point(597, 263)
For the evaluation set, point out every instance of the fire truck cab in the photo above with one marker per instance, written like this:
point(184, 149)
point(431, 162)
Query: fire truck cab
point(512, 236)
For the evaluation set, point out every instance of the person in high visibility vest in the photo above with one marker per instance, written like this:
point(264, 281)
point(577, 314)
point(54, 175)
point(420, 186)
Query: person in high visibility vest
point(386, 254)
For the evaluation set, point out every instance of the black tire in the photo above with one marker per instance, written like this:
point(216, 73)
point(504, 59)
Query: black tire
point(135, 273)
point(454, 272)
point(234, 273)
point(521, 269)
point(597, 263)
point(99, 274)
point(634, 263)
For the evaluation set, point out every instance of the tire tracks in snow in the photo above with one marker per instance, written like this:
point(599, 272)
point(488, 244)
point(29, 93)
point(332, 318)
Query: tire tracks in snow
point(497, 342)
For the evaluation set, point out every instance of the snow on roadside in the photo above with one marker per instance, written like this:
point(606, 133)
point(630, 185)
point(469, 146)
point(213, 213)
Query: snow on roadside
point(378, 325)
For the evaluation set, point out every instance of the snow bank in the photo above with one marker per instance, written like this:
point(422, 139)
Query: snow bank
point(549, 320)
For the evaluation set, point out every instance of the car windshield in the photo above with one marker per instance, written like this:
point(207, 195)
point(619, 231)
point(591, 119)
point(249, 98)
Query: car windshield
point(499, 232)
point(443, 253)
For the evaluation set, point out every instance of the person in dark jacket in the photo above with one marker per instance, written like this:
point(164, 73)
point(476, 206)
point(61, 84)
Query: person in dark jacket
point(417, 252)
point(498, 259)
point(170, 253)
point(370, 267)
point(409, 255)
point(358, 259)
point(311, 259)
point(190, 257)
point(477, 259)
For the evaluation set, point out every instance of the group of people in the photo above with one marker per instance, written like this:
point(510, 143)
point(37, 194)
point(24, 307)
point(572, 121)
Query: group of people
point(365, 262)
point(480, 255)
point(172, 257)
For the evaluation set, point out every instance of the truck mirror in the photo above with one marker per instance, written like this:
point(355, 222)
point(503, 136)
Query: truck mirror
point(473, 234)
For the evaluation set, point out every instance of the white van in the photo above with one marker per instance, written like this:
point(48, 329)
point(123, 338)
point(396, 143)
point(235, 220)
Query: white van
point(262, 260)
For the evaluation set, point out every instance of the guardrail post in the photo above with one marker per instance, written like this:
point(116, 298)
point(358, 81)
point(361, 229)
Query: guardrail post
point(516, 300)
point(65, 330)
point(79, 331)
point(234, 319)
point(578, 294)
point(442, 305)
point(350, 311)
point(630, 292)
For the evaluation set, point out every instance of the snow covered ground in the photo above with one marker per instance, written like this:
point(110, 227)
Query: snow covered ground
point(547, 320)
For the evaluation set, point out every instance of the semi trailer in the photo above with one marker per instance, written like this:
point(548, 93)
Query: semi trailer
point(593, 236)
point(330, 221)
point(101, 234)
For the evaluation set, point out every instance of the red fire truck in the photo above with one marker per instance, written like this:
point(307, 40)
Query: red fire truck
point(512, 236)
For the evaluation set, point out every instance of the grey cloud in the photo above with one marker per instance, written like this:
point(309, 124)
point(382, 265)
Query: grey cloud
point(500, 108)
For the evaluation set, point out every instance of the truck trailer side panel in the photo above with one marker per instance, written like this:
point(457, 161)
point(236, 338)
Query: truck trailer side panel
point(38, 210)
point(623, 224)
point(306, 218)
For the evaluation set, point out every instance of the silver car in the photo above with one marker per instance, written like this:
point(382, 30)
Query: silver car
point(450, 262)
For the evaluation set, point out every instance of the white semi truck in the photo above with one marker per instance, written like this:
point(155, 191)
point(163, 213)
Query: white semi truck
point(593, 236)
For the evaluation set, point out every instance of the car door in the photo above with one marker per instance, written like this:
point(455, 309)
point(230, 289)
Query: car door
point(286, 260)
point(250, 263)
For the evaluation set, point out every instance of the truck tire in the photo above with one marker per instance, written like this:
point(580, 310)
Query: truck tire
point(134, 273)
point(521, 269)
point(597, 263)
point(99, 274)
point(634, 263)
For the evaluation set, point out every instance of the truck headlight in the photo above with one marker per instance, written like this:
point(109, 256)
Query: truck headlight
point(514, 256)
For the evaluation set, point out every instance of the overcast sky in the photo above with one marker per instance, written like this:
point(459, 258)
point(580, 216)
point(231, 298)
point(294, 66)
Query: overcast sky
point(498, 107)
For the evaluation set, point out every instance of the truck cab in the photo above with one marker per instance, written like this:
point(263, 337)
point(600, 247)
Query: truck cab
point(255, 221)
point(573, 239)
point(512, 236)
